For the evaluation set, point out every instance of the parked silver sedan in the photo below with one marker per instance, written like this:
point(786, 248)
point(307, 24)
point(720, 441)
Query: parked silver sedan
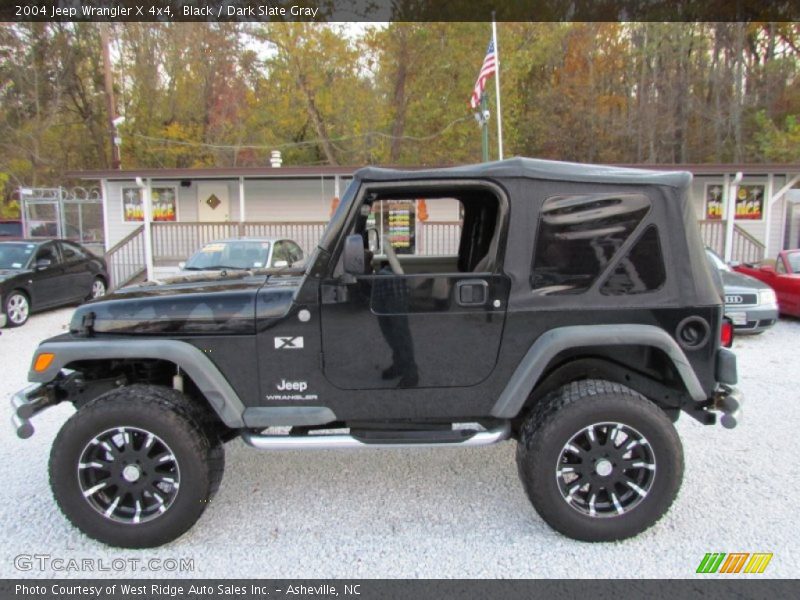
point(751, 304)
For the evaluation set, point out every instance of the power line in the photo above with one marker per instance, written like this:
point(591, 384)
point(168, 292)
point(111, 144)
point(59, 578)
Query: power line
point(314, 142)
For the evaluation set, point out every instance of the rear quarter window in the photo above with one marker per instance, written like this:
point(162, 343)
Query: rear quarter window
point(578, 237)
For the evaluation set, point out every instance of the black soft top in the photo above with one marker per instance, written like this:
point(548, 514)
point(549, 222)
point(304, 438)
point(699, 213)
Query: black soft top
point(534, 168)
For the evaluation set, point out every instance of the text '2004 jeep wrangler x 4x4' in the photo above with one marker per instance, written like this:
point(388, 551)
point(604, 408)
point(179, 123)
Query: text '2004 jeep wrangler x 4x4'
point(575, 313)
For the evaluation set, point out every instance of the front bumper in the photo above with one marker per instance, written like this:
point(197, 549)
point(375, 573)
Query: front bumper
point(756, 318)
point(26, 403)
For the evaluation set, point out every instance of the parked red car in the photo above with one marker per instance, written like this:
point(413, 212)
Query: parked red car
point(783, 277)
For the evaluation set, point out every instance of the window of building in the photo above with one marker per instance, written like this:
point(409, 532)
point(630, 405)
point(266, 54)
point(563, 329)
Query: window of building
point(578, 236)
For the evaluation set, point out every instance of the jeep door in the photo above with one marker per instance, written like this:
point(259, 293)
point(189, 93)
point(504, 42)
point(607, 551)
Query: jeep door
point(430, 307)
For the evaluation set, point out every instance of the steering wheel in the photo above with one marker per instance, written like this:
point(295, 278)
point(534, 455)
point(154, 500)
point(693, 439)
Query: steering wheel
point(391, 256)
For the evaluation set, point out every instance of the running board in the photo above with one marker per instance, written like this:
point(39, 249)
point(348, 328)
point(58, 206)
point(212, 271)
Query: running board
point(342, 441)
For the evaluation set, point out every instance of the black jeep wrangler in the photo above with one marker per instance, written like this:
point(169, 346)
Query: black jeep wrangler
point(574, 312)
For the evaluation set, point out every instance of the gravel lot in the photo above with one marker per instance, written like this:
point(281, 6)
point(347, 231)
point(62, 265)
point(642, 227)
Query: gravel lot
point(433, 513)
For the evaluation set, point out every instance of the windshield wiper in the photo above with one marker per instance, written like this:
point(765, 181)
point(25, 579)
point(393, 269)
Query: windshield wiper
point(224, 268)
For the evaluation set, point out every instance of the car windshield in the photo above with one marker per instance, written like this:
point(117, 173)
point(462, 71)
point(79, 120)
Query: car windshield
point(717, 261)
point(10, 229)
point(793, 258)
point(229, 255)
point(15, 256)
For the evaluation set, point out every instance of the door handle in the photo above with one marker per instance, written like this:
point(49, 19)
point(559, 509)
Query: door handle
point(472, 292)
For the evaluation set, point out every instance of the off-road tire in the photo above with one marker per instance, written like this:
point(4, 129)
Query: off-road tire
point(170, 416)
point(565, 412)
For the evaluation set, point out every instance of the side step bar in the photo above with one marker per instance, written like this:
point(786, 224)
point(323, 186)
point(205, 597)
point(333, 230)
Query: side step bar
point(341, 441)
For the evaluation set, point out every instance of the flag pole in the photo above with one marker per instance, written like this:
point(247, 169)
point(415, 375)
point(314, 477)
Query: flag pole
point(484, 129)
point(497, 88)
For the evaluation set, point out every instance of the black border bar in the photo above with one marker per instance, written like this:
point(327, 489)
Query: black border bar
point(398, 10)
point(709, 588)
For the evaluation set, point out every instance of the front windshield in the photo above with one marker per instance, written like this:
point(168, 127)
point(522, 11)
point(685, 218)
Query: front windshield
point(15, 256)
point(230, 255)
point(718, 262)
point(793, 258)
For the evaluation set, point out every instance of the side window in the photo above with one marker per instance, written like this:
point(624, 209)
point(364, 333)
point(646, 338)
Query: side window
point(279, 253)
point(71, 252)
point(578, 236)
point(295, 252)
point(49, 252)
point(641, 270)
point(780, 267)
point(449, 231)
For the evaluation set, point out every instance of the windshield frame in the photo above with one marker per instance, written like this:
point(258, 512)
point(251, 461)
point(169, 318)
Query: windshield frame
point(793, 261)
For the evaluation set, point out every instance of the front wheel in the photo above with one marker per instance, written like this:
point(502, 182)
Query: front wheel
point(17, 308)
point(135, 467)
point(598, 461)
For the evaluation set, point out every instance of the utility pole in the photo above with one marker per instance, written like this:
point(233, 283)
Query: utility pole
point(116, 162)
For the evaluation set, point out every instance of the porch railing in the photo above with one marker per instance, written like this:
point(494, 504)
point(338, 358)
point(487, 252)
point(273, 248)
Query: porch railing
point(173, 242)
point(125, 259)
point(177, 241)
point(745, 247)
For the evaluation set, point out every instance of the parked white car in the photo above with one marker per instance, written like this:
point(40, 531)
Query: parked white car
point(240, 254)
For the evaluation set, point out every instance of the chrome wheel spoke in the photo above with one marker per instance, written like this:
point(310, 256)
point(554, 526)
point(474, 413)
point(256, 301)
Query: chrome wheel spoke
point(120, 479)
point(605, 470)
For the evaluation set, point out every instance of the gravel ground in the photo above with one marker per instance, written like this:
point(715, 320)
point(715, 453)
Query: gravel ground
point(433, 513)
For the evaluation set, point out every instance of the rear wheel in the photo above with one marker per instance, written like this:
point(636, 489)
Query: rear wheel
point(598, 461)
point(17, 308)
point(99, 288)
point(135, 467)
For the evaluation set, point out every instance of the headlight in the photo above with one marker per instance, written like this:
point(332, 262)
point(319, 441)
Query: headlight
point(767, 297)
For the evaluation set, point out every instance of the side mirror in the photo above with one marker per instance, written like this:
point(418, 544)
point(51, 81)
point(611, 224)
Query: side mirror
point(353, 262)
point(181, 264)
point(280, 264)
point(43, 263)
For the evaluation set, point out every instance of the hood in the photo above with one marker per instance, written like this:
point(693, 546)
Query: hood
point(732, 279)
point(9, 273)
point(205, 306)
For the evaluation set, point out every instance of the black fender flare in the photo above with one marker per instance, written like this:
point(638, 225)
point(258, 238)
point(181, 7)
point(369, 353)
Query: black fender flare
point(205, 374)
point(532, 366)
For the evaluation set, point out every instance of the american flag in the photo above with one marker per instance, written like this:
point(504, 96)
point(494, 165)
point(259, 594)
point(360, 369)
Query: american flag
point(487, 69)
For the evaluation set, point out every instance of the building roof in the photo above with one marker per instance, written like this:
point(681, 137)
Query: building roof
point(347, 171)
point(215, 173)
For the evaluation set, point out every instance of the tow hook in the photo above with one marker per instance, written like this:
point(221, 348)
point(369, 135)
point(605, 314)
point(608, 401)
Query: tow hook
point(26, 403)
point(728, 401)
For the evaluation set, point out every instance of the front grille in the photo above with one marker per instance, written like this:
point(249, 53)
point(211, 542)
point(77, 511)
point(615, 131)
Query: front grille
point(741, 299)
